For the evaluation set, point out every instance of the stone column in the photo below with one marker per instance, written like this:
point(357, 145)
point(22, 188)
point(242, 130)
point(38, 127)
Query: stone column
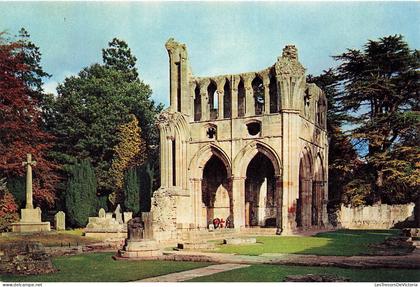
point(324, 196)
point(205, 109)
point(184, 85)
point(278, 198)
point(197, 202)
point(234, 95)
point(249, 97)
point(238, 194)
point(163, 159)
point(28, 163)
point(266, 99)
point(220, 109)
point(262, 202)
point(290, 172)
point(173, 85)
point(169, 160)
point(307, 203)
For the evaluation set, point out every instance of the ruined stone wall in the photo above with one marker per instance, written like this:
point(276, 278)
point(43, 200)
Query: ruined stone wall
point(381, 216)
point(231, 119)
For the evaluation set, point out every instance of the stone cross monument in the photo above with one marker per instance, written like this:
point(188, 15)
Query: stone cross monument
point(29, 163)
point(30, 219)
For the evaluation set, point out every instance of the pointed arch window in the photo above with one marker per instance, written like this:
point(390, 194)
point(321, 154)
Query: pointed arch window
point(227, 99)
point(241, 99)
point(258, 89)
point(213, 100)
point(197, 104)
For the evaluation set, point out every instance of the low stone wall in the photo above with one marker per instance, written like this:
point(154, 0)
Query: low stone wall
point(382, 216)
point(26, 258)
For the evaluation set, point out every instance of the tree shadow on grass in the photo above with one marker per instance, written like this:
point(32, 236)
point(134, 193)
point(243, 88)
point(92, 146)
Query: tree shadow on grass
point(350, 242)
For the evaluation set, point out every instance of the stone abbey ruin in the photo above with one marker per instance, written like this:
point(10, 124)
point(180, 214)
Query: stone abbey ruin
point(250, 149)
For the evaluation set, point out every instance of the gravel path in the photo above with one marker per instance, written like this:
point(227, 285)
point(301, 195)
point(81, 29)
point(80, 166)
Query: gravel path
point(190, 274)
point(410, 261)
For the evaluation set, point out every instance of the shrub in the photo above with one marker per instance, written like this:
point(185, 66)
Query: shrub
point(132, 191)
point(8, 207)
point(81, 199)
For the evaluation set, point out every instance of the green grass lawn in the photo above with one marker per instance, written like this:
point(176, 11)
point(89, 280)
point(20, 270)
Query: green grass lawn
point(277, 273)
point(61, 238)
point(100, 267)
point(340, 243)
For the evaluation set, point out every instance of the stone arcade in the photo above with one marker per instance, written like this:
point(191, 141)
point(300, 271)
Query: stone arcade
point(249, 148)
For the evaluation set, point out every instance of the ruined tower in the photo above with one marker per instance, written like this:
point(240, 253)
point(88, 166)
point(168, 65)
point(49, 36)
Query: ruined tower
point(250, 148)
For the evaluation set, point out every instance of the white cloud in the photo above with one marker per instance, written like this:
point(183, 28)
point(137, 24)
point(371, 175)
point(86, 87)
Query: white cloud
point(50, 87)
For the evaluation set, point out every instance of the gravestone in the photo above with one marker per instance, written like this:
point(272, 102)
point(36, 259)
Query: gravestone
point(60, 221)
point(30, 220)
point(118, 215)
point(105, 226)
point(101, 213)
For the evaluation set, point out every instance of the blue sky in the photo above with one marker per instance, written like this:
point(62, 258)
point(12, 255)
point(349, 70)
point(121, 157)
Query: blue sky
point(221, 37)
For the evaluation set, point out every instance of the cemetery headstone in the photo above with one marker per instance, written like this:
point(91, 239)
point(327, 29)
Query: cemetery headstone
point(60, 221)
point(101, 213)
point(118, 214)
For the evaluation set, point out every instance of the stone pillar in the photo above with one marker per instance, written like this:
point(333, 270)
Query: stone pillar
point(290, 172)
point(266, 84)
point(261, 202)
point(220, 110)
point(197, 202)
point(163, 159)
point(169, 160)
point(205, 109)
point(179, 162)
point(278, 198)
point(234, 96)
point(249, 97)
point(324, 202)
point(238, 193)
point(28, 163)
point(307, 203)
point(185, 104)
point(173, 85)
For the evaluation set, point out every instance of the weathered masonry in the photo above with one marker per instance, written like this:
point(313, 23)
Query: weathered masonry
point(249, 148)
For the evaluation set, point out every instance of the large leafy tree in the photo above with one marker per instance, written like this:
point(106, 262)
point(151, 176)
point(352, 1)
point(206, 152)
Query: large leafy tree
point(21, 124)
point(381, 96)
point(118, 56)
point(92, 105)
point(342, 156)
point(34, 75)
point(128, 153)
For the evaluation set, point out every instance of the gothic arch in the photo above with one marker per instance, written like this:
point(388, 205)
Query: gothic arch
point(306, 163)
point(244, 157)
point(304, 204)
point(174, 132)
point(318, 191)
point(203, 155)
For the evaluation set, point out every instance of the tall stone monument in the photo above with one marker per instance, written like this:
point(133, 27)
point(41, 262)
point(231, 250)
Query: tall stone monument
point(30, 220)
